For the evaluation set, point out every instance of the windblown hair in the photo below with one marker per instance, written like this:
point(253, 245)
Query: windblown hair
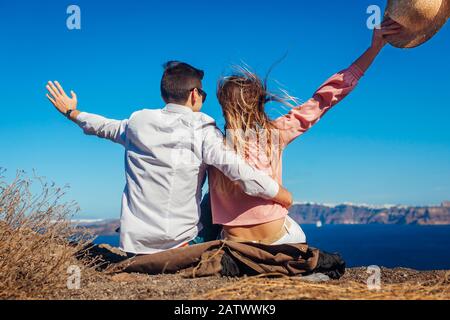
point(243, 97)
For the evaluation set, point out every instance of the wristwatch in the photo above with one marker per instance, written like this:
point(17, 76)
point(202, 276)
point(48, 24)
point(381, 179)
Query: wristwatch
point(69, 112)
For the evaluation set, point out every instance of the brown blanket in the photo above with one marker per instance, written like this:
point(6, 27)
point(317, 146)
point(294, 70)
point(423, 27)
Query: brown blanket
point(227, 258)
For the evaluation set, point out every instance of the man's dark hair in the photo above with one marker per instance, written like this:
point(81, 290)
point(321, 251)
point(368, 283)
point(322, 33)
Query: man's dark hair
point(178, 80)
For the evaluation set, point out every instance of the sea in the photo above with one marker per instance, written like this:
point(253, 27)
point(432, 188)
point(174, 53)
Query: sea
point(409, 246)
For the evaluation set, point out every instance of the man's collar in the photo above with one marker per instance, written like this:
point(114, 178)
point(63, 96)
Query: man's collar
point(177, 108)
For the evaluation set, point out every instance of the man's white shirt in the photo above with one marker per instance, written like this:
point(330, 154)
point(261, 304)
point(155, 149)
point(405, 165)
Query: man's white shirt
point(167, 152)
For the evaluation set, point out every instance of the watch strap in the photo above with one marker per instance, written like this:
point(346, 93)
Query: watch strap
point(69, 112)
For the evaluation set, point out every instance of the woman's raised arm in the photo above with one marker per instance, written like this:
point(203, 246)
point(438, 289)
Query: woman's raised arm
point(300, 119)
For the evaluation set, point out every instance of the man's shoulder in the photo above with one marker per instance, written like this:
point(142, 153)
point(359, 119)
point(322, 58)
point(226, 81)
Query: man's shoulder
point(208, 127)
point(145, 115)
point(197, 120)
point(204, 119)
point(145, 112)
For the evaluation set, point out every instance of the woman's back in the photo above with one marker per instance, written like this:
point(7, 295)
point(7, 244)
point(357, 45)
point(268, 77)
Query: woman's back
point(232, 207)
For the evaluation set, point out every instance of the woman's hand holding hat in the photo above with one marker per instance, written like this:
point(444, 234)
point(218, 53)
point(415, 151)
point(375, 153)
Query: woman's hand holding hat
point(388, 27)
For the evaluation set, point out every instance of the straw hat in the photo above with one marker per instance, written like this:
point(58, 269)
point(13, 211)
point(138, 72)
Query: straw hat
point(421, 20)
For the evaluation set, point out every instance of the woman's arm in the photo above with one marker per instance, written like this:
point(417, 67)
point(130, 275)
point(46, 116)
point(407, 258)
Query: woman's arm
point(302, 118)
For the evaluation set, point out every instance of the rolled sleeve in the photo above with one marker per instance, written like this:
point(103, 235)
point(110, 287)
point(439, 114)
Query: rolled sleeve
point(300, 119)
point(356, 71)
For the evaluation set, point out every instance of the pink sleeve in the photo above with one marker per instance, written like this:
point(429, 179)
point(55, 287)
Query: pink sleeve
point(301, 118)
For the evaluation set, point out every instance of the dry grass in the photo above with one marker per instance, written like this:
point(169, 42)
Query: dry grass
point(286, 288)
point(35, 254)
point(35, 228)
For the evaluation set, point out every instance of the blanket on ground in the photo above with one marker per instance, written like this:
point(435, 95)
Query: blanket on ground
point(229, 258)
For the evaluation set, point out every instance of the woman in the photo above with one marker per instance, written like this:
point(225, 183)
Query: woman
point(261, 141)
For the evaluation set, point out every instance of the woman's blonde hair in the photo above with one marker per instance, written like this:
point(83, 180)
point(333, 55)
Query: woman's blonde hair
point(243, 97)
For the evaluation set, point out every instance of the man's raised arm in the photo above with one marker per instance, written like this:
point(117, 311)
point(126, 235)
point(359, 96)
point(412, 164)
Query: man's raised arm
point(92, 124)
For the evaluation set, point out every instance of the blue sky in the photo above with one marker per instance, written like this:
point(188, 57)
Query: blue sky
point(386, 143)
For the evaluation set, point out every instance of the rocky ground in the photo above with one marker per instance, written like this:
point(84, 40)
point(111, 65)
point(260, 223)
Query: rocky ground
point(395, 284)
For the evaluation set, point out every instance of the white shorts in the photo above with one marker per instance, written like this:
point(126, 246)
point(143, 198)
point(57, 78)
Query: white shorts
point(294, 234)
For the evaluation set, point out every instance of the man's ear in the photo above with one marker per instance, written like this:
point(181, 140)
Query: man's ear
point(192, 97)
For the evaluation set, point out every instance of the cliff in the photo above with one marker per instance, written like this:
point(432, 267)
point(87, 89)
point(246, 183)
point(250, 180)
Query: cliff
point(309, 213)
point(359, 214)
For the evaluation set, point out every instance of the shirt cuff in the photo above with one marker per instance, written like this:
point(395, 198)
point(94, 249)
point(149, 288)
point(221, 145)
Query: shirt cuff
point(272, 189)
point(81, 118)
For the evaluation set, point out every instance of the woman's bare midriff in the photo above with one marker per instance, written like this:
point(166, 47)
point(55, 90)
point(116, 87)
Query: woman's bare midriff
point(256, 232)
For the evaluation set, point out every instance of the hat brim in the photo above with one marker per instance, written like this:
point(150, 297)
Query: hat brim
point(411, 39)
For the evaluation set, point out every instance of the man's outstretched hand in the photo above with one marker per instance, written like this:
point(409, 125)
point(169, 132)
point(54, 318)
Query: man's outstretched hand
point(59, 98)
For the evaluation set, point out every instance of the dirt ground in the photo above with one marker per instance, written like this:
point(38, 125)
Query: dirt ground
point(395, 284)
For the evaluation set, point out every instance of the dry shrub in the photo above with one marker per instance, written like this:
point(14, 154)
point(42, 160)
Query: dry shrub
point(37, 239)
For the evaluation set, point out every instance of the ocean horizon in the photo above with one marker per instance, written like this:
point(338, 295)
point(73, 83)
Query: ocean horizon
point(391, 246)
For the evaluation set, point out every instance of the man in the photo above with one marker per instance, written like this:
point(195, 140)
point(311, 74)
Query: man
point(167, 152)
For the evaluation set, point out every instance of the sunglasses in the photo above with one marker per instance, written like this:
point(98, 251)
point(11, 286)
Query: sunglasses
point(202, 93)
